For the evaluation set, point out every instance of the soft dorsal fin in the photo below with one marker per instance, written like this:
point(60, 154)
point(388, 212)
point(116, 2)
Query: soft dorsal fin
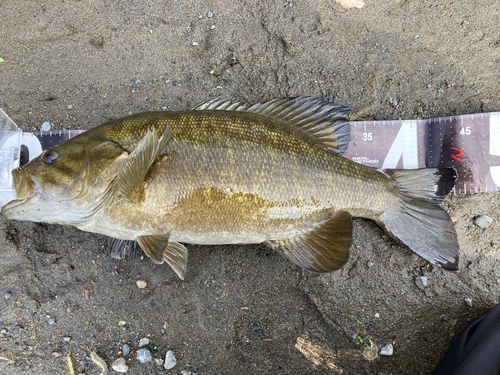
point(135, 167)
point(325, 249)
point(325, 122)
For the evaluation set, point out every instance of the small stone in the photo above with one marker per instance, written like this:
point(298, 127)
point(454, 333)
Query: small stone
point(72, 117)
point(46, 126)
point(56, 353)
point(162, 330)
point(151, 32)
point(468, 301)
point(66, 338)
point(176, 83)
point(354, 336)
point(69, 106)
point(454, 215)
point(143, 342)
point(144, 355)
point(186, 372)
point(421, 281)
point(141, 284)
point(195, 44)
point(119, 365)
point(369, 264)
point(387, 350)
point(159, 361)
point(126, 350)
point(210, 14)
point(167, 82)
point(200, 16)
point(3, 331)
point(137, 81)
point(483, 221)
point(429, 86)
point(51, 321)
point(170, 360)
point(7, 295)
point(377, 315)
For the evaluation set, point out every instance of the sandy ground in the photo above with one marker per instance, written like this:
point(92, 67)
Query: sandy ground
point(242, 309)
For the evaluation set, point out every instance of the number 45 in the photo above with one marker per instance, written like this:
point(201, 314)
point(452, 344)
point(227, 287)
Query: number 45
point(465, 131)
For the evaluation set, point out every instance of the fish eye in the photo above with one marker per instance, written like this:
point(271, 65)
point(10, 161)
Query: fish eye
point(50, 157)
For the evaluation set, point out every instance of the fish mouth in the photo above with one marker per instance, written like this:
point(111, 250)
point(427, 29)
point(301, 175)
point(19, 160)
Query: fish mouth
point(28, 192)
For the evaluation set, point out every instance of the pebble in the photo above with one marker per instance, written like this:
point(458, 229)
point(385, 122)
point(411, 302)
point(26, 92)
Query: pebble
point(72, 117)
point(51, 321)
point(143, 342)
point(141, 284)
point(176, 83)
point(483, 221)
point(421, 281)
point(454, 215)
point(69, 106)
point(67, 338)
point(468, 301)
point(200, 16)
point(429, 86)
point(46, 126)
point(186, 372)
point(7, 295)
point(56, 353)
point(3, 331)
point(210, 14)
point(126, 350)
point(369, 264)
point(119, 365)
point(159, 361)
point(195, 44)
point(387, 350)
point(170, 360)
point(167, 82)
point(137, 81)
point(144, 355)
point(212, 27)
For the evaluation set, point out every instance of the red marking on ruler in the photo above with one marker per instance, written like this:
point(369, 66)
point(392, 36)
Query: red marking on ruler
point(460, 153)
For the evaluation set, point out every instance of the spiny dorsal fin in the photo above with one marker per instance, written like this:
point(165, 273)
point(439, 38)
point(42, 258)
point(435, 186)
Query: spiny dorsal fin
point(135, 167)
point(325, 249)
point(325, 122)
point(220, 105)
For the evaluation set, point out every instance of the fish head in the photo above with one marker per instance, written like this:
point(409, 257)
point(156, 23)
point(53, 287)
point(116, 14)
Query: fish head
point(68, 183)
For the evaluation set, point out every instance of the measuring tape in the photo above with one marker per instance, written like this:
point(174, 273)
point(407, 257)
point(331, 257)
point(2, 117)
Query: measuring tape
point(469, 143)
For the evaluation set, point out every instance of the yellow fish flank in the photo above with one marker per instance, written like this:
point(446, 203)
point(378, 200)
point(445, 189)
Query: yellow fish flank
point(225, 173)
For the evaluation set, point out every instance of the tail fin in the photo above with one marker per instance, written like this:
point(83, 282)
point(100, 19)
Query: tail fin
point(419, 222)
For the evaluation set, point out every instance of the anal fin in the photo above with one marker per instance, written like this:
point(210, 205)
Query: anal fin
point(324, 249)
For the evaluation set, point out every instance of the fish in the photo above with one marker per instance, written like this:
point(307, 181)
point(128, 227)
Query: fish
point(228, 173)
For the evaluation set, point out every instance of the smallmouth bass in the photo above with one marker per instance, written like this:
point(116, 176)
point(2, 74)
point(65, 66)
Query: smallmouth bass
point(225, 173)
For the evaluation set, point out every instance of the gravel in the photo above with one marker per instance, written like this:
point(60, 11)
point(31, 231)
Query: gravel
point(170, 360)
point(483, 221)
point(387, 350)
point(144, 355)
point(120, 365)
point(126, 350)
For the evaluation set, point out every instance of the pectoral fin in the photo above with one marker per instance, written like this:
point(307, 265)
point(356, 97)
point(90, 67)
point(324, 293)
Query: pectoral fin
point(325, 249)
point(160, 250)
point(135, 167)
